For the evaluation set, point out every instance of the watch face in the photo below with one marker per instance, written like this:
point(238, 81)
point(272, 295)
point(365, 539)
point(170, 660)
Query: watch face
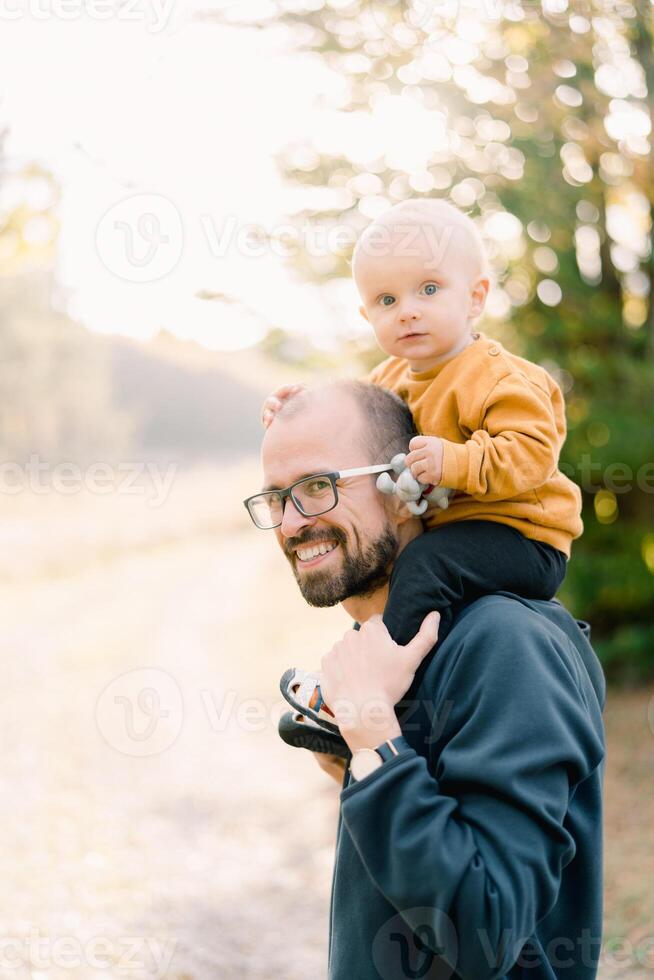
point(364, 761)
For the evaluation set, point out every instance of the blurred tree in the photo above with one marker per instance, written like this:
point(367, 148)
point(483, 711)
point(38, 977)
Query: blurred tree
point(55, 377)
point(534, 118)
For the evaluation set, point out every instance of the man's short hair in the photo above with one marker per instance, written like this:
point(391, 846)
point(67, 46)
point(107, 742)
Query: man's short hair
point(388, 424)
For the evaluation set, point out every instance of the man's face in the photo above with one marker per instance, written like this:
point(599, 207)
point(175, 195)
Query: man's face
point(358, 537)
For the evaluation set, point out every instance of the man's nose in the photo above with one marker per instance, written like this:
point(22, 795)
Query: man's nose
point(292, 520)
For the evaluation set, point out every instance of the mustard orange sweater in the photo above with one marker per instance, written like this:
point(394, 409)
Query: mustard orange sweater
point(502, 422)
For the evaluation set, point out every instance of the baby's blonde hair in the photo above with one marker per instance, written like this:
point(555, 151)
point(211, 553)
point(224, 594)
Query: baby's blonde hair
point(434, 212)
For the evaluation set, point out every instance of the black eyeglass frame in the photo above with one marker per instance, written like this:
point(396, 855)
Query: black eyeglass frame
point(332, 477)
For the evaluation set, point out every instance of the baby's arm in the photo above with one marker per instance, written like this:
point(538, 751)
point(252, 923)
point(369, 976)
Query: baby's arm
point(274, 402)
point(514, 449)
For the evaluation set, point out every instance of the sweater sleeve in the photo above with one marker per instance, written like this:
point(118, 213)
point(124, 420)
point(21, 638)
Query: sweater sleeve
point(378, 373)
point(478, 846)
point(515, 447)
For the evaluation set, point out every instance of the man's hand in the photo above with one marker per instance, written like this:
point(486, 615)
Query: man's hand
point(366, 673)
point(425, 459)
point(274, 402)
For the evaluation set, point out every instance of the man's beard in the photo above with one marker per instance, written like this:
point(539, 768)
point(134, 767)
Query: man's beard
point(361, 574)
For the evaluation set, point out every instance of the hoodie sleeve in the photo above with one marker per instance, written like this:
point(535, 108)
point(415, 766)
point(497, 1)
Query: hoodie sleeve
point(480, 840)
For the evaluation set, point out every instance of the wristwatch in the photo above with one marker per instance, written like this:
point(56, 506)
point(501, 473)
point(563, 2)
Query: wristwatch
point(365, 761)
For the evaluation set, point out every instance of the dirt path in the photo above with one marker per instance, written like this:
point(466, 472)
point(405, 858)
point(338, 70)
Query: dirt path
point(208, 859)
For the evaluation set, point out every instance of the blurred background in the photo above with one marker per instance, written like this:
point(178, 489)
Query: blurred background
point(181, 185)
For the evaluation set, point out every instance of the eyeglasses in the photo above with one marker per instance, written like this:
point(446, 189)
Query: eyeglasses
point(312, 496)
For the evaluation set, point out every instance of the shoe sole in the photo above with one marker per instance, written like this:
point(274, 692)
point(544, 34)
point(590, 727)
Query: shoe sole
point(304, 735)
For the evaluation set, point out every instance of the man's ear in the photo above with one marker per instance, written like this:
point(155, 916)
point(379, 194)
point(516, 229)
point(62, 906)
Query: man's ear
point(398, 510)
point(478, 294)
point(362, 311)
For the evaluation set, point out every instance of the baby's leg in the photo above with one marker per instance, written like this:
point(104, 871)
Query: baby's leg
point(451, 565)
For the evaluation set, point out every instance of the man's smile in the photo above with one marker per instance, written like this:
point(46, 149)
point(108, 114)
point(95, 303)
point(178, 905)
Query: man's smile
point(312, 553)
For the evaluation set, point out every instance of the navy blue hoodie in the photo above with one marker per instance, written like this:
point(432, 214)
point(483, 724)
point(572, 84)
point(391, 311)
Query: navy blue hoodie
point(476, 853)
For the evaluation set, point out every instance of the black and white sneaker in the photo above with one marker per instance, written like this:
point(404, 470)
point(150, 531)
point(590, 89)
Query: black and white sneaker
point(301, 688)
point(302, 733)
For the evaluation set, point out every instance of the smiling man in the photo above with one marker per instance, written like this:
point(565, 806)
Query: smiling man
point(470, 833)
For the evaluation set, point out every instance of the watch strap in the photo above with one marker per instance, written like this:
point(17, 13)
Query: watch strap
point(387, 750)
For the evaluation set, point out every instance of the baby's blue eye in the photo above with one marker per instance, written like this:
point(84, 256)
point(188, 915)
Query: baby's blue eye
point(430, 288)
point(387, 300)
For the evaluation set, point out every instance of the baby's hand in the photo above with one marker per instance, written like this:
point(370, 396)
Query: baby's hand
point(274, 402)
point(425, 459)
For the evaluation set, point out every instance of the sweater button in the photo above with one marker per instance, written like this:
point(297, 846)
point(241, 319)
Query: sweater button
point(493, 351)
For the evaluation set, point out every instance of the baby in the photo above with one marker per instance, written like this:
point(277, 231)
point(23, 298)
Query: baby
point(492, 424)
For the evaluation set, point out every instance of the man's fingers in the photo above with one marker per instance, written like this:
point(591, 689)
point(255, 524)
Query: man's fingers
point(425, 639)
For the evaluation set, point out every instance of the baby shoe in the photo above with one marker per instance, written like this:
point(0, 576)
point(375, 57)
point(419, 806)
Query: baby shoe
point(302, 733)
point(301, 688)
